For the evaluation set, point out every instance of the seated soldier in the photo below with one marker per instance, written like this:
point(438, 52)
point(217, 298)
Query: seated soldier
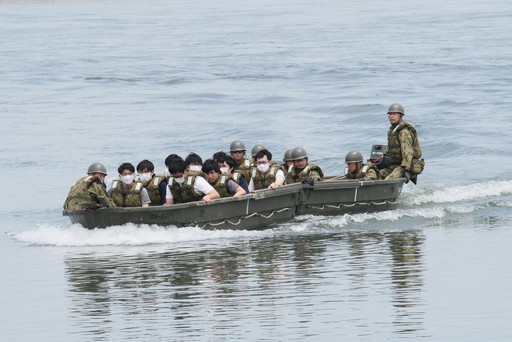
point(222, 182)
point(357, 170)
point(188, 188)
point(227, 165)
point(266, 174)
point(89, 191)
point(126, 192)
point(156, 185)
point(237, 152)
point(302, 171)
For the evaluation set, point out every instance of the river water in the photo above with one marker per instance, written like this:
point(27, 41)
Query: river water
point(122, 81)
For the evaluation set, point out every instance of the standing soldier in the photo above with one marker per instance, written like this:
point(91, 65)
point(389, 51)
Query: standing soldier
point(89, 191)
point(403, 148)
point(357, 170)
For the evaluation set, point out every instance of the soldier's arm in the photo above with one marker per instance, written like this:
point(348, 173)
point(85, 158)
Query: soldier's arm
point(315, 175)
point(371, 175)
point(406, 143)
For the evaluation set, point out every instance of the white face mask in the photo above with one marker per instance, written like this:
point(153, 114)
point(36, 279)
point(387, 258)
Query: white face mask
point(224, 169)
point(195, 167)
point(263, 167)
point(180, 180)
point(128, 179)
point(144, 177)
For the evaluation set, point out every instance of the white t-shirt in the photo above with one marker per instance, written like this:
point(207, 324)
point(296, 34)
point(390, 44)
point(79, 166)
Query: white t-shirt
point(201, 186)
point(279, 173)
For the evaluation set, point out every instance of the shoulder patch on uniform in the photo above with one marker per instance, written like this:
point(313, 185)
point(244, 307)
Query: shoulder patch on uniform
point(114, 184)
point(253, 173)
point(155, 182)
point(138, 186)
point(189, 180)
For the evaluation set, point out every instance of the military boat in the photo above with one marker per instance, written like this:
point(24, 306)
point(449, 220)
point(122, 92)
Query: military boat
point(257, 210)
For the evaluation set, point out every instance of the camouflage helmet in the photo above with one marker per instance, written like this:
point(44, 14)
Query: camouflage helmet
point(298, 153)
point(288, 155)
point(353, 157)
point(256, 149)
point(396, 108)
point(97, 168)
point(237, 145)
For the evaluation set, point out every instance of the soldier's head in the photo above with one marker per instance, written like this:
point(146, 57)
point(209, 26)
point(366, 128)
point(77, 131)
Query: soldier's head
point(263, 159)
point(145, 170)
point(211, 171)
point(395, 113)
point(256, 148)
point(354, 160)
point(299, 157)
point(288, 157)
point(126, 173)
point(97, 170)
point(194, 161)
point(237, 150)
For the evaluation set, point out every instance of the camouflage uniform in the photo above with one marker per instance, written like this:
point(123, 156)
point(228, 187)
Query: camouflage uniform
point(298, 176)
point(366, 172)
point(403, 150)
point(87, 190)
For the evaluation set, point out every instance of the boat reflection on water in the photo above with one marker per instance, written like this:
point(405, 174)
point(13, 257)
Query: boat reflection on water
point(366, 283)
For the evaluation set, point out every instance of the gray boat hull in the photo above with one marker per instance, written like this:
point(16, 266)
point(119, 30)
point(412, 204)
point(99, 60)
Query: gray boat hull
point(257, 210)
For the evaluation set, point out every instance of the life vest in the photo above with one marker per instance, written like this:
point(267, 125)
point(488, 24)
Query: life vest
point(263, 181)
point(296, 176)
point(394, 147)
point(363, 171)
point(130, 198)
point(86, 190)
point(244, 169)
point(237, 175)
point(153, 188)
point(284, 168)
point(185, 192)
point(221, 185)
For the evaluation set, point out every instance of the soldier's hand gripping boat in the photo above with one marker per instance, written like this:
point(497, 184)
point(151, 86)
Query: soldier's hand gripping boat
point(257, 210)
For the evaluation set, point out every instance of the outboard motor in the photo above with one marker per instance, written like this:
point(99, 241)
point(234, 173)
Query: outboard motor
point(377, 153)
point(378, 158)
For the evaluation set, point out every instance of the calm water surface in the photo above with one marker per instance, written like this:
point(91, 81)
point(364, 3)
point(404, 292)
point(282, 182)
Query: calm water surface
point(112, 81)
